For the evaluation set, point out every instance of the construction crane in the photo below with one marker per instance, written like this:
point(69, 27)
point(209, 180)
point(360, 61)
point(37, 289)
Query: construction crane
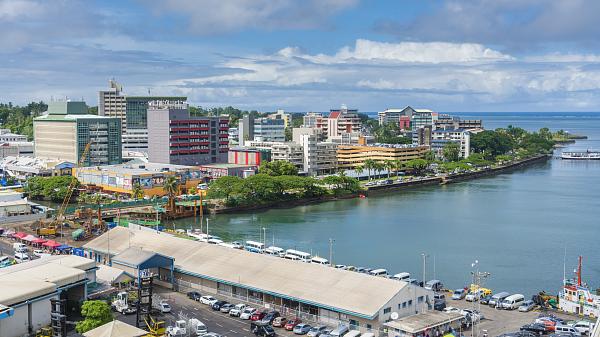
point(50, 229)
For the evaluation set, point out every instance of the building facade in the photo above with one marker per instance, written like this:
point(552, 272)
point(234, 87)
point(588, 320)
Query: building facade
point(319, 157)
point(248, 156)
point(440, 137)
point(175, 137)
point(269, 130)
point(353, 156)
point(287, 151)
point(285, 117)
point(65, 130)
point(150, 177)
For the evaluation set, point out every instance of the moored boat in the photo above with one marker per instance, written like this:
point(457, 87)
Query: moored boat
point(583, 155)
point(577, 298)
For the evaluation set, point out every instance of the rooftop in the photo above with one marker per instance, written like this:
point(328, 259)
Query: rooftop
point(30, 164)
point(347, 292)
point(424, 321)
point(226, 165)
point(137, 168)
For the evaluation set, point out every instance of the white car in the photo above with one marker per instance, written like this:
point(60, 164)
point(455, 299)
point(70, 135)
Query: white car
point(22, 257)
point(208, 300)
point(474, 314)
point(451, 309)
point(247, 313)
point(164, 307)
point(40, 253)
point(584, 327)
point(237, 310)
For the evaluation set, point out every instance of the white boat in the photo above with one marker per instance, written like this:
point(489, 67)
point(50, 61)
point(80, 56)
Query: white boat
point(586, 155)
point(576, 297)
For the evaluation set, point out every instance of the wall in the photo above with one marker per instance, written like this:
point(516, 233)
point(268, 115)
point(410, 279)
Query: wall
point(17, 325)
point(158, 136)
point(55, 140)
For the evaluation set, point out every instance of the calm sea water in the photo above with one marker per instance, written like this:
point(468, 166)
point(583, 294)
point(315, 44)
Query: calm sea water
point(517, 225)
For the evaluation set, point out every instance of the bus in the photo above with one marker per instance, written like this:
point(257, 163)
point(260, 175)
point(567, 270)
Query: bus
point(255, 247)
point(303, 256)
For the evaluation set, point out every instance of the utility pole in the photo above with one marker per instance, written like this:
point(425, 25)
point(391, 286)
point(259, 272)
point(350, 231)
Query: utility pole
point(478, 278)
point(264, 236)
point(207, 229)
point(331, 241)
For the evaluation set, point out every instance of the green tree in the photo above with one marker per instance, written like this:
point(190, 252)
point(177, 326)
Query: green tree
point(369, 165)
point(48, 188)
point(137, 191)
point(278, 168)
point(418, 166)
point(398, 166)
point(492, 143)
point(389, 165)
point(359, 170)
point(224, 187)
point(171, 188)
point(95, 313)
point(451, 151)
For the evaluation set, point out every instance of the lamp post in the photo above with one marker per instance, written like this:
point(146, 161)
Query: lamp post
point(478, 278)
point(331, 241)
point(424, 256)
point(264, 236)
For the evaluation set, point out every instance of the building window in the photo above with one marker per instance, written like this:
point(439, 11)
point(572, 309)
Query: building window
point(369, 326)
point(420, 299)
point(387, 310)
point(409, 303)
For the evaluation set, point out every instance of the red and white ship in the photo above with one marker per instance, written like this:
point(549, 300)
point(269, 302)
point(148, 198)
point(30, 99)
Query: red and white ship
point(577, 298)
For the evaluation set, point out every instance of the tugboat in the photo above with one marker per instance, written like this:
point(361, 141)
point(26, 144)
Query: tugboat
point(587, 155)
point(576, 297)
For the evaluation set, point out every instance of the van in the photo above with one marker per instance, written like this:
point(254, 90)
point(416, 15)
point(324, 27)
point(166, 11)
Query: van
point(435, 285)
point(379, 272)
point(497, 299)
point(339, 331)
point(513, 302)
point(319, 260)
point(401, 277)
point(352, 333)
point(566, 329)
point(19, 247)
point(368, 334)
point(22, 257)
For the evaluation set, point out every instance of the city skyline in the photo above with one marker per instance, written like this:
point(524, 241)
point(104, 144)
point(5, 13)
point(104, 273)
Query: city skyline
point(308, 56)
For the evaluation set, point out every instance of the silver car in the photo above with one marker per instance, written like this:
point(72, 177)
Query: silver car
point(527, 306)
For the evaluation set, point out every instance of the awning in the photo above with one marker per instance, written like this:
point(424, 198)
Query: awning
point(19, 235)
point(29, 238)
point(39, 241)
point(51, 244)
point(63, 247)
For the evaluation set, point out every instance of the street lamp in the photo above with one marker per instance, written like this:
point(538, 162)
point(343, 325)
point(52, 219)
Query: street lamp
point(331, 241)
point(424, 256)
point(478, 278)
point(264, 236)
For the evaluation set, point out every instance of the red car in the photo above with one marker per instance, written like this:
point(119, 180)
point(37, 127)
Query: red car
point(257, 316)
point(289, 326)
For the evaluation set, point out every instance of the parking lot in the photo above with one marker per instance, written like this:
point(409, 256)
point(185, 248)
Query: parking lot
point(497, 321)
point(215, 321)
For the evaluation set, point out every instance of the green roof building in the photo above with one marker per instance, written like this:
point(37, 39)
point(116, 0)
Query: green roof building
point(67, 127)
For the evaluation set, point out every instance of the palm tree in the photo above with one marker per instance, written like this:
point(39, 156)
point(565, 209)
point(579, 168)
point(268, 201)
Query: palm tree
point(369, 165)
point(389, 166)
point(137, 192)
point(171, 188)
point(398, 166)
point(359, 170)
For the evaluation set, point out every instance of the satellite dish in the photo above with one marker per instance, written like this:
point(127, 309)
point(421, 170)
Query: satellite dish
point(394, 315)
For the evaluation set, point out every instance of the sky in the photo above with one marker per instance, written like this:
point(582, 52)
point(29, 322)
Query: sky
point(309, 55)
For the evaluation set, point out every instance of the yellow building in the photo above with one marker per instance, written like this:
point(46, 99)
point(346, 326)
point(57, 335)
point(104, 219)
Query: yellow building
point(150, 176)
point(352, 156)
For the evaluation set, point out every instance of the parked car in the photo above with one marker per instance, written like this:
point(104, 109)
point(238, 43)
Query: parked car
point(269, 317)
point(527, 306)
point(566, 329)
point(339, 331)
point(247, 313)
point(22, 257)
point(316, 331)
point(261, 329)
point(474, 296)
point(226, 307)
point(212, 334)
point(237, 310)
point(208, 300)
point(451, 309)
point(536, 328)
point(302, 329)
point(289, 326)
point(471, 314)
point(497, 299)
point(435, 285)
point(279, 322)
point(40, 253)
point(164, 307)
point(486, 299)
point(459, 294)
point(439, 305)
point(194, 295)
point(217, 305)
point(258, 315)
point(584, 327)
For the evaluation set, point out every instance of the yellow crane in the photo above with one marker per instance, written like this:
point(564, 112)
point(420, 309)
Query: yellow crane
point(50, 229)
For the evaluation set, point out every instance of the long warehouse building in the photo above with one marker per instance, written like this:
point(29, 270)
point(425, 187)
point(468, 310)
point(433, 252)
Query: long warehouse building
point(313, 292)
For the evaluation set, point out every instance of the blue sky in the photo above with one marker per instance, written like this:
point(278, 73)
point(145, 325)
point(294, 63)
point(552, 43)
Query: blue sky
point(311, 55)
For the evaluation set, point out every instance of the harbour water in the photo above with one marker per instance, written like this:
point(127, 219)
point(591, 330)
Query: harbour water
point(517, 225)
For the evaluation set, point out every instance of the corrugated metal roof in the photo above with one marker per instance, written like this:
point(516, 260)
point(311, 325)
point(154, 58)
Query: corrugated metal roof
point(331, 288)
point(424, 321)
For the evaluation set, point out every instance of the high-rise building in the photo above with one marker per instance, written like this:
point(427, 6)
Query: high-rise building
point(133, 113)
point(339, 123)
point(261, 129)
point(66, 128)
point(441, 137)
point(175, 137)
point(280, 114)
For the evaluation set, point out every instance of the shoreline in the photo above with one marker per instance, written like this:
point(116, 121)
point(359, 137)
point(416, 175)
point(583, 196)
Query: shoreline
point(375, 190)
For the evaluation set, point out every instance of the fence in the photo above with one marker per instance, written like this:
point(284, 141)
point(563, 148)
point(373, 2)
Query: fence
point(136, 203)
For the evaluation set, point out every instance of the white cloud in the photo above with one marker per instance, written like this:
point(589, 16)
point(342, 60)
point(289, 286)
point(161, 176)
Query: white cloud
point(208, 17)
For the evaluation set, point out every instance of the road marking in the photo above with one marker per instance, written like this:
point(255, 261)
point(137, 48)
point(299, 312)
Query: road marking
point(218, 324)
point(246, 329)
point(235, 332)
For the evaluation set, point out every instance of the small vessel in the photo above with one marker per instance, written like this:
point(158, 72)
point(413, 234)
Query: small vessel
point(584, 155)
point(577, 298)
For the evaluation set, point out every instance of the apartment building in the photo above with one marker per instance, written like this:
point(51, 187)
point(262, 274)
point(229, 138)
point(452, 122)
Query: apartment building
point(287, 151)
point(66, 128)
point(318, 157)
point(352, 156)
point(285, 117)
point(441, 137)
point(261, 129)
point(12, 144)
point(175, 137)
point(133, 113)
